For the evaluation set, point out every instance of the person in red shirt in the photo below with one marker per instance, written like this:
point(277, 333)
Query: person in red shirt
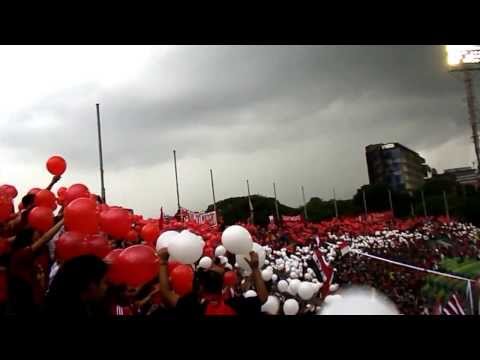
point(27, 276)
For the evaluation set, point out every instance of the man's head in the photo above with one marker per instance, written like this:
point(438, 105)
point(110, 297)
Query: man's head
point(80, 279)
point(209, 281)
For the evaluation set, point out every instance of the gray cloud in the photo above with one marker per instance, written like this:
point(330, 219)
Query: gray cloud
point(307, 110)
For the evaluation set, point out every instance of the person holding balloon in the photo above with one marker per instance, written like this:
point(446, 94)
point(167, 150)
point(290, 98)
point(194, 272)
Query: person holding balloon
point(206, 296)
point(26, 275)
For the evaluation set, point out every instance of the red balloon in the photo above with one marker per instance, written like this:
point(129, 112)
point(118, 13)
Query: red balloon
point(76, 191)
point(97, 245)
point(230, 278)
point(41, 218)
point(113, 273)
point(56, 165)
point(34, 191)
point(9, 190)
point(138, 264)
point(69, 245)
point(115, 222)
point(61, 191)
point(46, 198)
point(80, 215)
point(131, 236)
point(6, 208)
point(150, 233)
point(181, 279)
point(209, 251)
point(172, 265)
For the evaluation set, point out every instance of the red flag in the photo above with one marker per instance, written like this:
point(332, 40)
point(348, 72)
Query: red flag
point(327, 271)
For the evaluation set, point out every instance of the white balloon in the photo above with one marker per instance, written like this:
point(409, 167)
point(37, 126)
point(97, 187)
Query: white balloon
point(228, 266)
point(164, 239)
point(293, 286)
point(306, 290)
point(291, 307)
point(242, 263)
point(333, 287)
point(308, 277)
point(250, 293)
point(223, 260)
point(272, 305)
point(282, 286)
point(220, 250)
point(187, 247)
point(205, 262)
point(293, 275)
point(237, 240)
point(358, 301)
point(274, 277)
point(267, 275)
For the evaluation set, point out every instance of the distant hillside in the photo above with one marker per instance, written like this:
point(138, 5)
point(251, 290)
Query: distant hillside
point(236, 209)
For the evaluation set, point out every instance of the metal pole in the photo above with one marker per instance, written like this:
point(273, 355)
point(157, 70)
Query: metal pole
point(250, 205)
point(468, 81)
point(213, 195)
point(100, 153)
point(412, 209)
point(276, 203)
point(424, 204)
point(445, 201)
point(335, 203)
point(365, 205)
point(176, 182)
point(390, 201)
point(304, 204)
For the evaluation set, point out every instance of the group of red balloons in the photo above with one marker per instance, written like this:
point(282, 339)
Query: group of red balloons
point(90, 227)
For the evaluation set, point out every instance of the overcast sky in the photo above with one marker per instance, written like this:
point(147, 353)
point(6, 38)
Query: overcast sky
point(291, 114)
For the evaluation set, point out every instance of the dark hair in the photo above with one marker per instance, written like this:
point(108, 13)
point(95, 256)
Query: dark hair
point(71, 280)
point(23, 238)
point(210, 281)
point(28, 200)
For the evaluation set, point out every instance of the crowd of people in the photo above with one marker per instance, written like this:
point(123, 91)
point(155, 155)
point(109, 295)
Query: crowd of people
point(57, 266)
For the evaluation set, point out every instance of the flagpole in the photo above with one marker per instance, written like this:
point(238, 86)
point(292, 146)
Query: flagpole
point(213, 195)
point(445, 201)
point(276, 204)
point(304, 204)
point(176, 182)
point(250, 206)
point(390, 201)
point(424, 204)
point(335, 203)
point(100, 153)
point(365, 205)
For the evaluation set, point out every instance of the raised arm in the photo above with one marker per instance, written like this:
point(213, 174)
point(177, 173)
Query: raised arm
point(166, 292)
point(47, 236)
point(55, 179)
point(260, 286)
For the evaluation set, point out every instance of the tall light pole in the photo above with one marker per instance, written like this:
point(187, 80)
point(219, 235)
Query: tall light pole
point(304, 204)
point(176, 182)
point(390, 201)
point(213, 195)
point(466, 59)
point(100, 154)
point(276, 203)
point(335, 203)
point(365, 205)
point(250, 205)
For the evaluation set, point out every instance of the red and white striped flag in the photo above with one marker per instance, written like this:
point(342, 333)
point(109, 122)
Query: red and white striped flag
point(344, 247)
point(453, 307)
point(327, 271)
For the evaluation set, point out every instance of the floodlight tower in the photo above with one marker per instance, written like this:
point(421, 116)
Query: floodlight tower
point(466, 59)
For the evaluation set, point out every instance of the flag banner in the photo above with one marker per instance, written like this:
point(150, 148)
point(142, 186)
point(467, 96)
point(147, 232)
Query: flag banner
point(199, 217)
point(297, 218)
point(344, 247)
point(327, 272)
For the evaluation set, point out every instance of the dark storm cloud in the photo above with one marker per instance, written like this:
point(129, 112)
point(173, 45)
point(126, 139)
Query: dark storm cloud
point(245, 99)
